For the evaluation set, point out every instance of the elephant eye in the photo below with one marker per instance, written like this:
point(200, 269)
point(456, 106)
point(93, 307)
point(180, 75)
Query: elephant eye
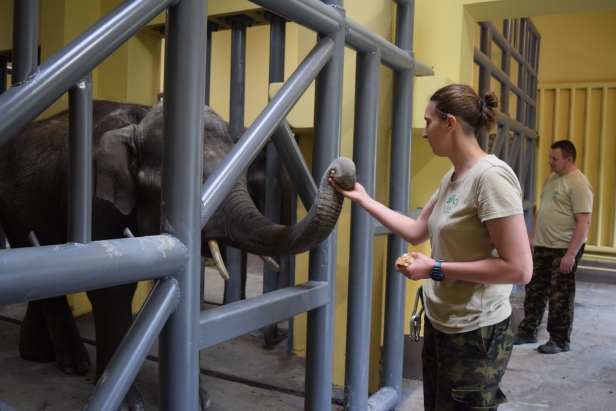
point(253, 189)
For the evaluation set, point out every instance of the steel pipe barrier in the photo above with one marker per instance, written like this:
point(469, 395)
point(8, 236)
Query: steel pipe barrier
point(232, 320)
point(42, 272)
point(123, 367)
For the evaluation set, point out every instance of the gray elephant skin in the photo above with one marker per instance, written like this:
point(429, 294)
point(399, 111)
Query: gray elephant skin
point(127, 156)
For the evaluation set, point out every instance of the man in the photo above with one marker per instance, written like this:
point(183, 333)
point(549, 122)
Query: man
point(557, 238)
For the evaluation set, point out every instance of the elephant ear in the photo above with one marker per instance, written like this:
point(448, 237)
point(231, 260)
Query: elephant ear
point(115, 168)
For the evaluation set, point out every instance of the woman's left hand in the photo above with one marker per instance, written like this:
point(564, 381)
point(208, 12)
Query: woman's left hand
point(420, 268)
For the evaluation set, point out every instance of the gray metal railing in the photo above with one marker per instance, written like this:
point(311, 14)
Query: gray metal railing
point(172, 310)
point(519, 42)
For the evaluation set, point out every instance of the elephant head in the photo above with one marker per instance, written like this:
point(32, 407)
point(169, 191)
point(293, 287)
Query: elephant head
point(128, 165)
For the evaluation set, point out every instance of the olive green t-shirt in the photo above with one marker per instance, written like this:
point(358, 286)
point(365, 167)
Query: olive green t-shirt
point(458, 233)
point(561, 198)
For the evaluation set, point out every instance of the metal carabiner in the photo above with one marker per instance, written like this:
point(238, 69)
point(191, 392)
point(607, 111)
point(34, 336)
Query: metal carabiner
point(416, 317)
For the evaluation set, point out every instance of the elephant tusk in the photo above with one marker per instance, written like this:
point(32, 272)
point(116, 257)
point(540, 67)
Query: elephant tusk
point(270, 263)
point(218, 259)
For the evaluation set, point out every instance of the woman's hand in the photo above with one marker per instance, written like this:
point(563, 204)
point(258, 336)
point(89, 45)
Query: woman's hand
point(420, 268)
point(357, 193)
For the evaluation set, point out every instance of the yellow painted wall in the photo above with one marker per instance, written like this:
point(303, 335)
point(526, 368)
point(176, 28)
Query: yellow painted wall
point(577, 47)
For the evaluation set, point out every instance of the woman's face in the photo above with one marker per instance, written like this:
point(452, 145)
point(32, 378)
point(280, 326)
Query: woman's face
point(435, 130)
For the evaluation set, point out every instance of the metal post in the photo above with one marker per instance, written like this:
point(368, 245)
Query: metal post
point(322, 265)
point(25, 40)
point(521, 106)
point(80, 162)
point(362, 234)
point(182, 171)
point(211, 27)
point(238, 76)
point(4, 60)
point(485, 76)
point(400, 182)
point(237, 259)
point(3, 84)
point(273, 167)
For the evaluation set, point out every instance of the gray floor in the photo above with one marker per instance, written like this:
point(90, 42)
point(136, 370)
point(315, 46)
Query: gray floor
point(242, 375)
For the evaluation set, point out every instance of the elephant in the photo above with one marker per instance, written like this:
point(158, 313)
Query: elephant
point(127, 155)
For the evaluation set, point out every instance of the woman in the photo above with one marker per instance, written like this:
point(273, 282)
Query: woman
point(479, 246)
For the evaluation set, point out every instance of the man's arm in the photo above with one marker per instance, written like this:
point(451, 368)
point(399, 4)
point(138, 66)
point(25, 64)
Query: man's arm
point(582, 223)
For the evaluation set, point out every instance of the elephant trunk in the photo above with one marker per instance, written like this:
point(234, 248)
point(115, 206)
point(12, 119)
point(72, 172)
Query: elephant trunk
point(240, 224)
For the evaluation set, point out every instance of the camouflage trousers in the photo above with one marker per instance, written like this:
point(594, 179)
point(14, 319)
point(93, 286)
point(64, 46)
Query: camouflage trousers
point(462, 371)
point(549, 284)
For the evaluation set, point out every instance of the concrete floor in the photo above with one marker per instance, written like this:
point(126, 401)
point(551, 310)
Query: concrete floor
point(242, 375)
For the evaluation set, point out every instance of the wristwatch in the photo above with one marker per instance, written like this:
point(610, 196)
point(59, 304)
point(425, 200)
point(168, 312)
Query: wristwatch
point(436, 273)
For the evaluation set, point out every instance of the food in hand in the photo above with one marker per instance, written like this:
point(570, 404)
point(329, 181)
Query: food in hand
point(405, 260)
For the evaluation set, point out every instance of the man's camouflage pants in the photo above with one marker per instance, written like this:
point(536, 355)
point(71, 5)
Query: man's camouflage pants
point(462, 371)
point(549, 284)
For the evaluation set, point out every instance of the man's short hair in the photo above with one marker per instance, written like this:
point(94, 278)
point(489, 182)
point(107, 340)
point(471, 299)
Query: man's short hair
point(567, 148)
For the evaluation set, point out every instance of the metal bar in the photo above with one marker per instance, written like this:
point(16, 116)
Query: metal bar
point(5, 407)
point(22, 104)
point(311, 14)
point(295, 164)
point(80, 162)
point(244, 152)
point(134, 348)
point(359, 306)
point(485, 70)
point(211, 27)
point(273, 166)
point(366, 41)
point(499, 140)
point(3, 85)
point(515, 125)
point(317, 16)
point(182, 177)
point(506, 45)
point(238, 77)
point(236, 265)
point(400, 183)
point(322, 259)
point(232, 320)
point(35, 273)
point(4, 72)
point(484, 61)
point(236, 259)
point(25, 40)
point(383, 400)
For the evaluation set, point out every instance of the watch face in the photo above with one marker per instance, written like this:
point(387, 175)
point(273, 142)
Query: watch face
point(437, 276)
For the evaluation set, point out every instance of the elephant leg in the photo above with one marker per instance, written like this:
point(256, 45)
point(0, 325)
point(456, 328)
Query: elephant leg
point(71, 355)
point(112, 318)
point(34, 340)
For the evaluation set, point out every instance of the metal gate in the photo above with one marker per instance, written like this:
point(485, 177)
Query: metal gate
point(171, 312)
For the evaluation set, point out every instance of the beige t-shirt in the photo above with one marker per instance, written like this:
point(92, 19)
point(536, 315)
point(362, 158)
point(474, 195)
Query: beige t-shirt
point(561, 198)
point(458, 233)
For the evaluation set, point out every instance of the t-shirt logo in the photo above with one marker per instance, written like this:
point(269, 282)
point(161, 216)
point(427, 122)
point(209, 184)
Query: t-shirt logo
point(555, 195)
point(451, 203)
